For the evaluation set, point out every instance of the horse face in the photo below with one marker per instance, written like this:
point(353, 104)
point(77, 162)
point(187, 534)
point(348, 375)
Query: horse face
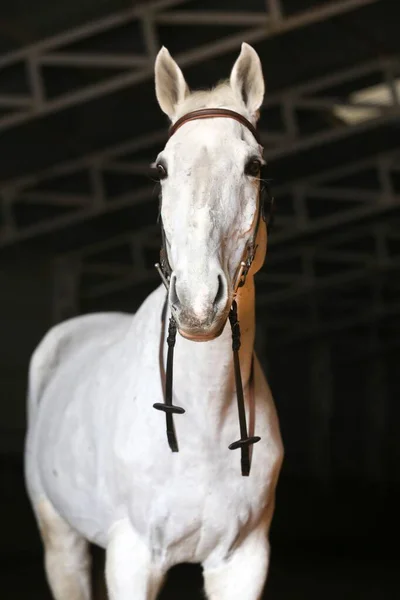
point(209, 173)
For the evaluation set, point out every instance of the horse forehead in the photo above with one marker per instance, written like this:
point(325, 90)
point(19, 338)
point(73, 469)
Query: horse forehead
point(204, 141)
point(207, 164)
point(210, 177)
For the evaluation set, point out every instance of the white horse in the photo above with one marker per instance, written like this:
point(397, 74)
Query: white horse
point(97, 462)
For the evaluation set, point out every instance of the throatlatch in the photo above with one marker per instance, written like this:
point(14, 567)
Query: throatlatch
point(265, 205)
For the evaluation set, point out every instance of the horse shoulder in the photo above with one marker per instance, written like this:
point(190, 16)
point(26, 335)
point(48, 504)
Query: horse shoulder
point(61, 341)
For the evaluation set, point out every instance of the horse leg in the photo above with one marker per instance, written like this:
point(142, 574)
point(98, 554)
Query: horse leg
point(67, 558)
point(130, 571)
point(243, 574)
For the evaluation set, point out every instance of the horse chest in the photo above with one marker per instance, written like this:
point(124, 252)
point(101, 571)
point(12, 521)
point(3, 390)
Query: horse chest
point(194, 503)
point(190, 509)
point(190, 518)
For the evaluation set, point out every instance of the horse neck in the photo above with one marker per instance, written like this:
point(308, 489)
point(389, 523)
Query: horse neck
point(203, 371)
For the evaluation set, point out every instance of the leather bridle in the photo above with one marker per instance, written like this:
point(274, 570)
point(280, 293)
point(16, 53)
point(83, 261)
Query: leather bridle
point(165, 271)
point(212, 113)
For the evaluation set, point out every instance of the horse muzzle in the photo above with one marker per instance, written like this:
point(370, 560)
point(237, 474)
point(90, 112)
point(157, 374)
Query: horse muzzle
point(201, 335)
point(200, 311)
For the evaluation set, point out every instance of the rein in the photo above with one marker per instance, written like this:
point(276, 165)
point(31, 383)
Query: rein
point(165, 271)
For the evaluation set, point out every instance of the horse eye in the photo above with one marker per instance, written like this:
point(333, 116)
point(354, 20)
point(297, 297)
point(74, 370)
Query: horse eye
point(253, 168)
point(162, 171)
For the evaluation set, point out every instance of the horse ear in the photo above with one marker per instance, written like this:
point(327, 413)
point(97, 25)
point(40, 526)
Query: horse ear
point(247, 79)
point(171, 87)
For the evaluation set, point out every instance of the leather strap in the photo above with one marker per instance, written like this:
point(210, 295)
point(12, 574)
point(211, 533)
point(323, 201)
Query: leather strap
point(212, 113)
point(245, 440)
point(167, 406)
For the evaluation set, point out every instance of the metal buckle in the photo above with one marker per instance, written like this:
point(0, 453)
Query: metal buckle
point(244, 268)
point(164, 278)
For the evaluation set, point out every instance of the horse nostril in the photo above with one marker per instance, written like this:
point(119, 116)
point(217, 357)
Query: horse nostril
point(220, 292)
point(173, 296)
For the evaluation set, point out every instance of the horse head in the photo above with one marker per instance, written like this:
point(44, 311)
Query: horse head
point(210, 191)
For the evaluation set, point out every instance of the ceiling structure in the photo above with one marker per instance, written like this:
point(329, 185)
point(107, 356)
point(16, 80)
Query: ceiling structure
point(79, 126)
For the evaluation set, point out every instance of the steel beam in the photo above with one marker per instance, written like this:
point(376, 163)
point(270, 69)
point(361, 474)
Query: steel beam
point(66, 288)
point(321, 404)
point(88, 30)
point(212, 17)
point(98, 59)
point(293, 95)
point(97, 164)
point(51, 50)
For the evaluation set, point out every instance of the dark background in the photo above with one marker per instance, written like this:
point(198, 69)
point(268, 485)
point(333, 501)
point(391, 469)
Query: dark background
point(79, 125)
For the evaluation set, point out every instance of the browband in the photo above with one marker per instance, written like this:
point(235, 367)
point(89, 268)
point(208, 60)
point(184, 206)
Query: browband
point(210, 113)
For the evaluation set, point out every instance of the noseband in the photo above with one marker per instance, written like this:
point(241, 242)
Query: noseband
point(165, 271)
